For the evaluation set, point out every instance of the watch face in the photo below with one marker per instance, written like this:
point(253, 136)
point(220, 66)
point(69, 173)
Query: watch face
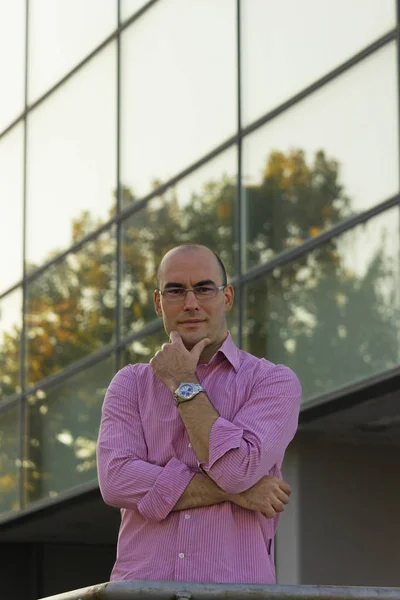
point(185, 390)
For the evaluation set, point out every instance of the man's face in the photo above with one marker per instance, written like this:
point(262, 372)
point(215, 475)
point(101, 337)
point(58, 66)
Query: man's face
point(193, 319)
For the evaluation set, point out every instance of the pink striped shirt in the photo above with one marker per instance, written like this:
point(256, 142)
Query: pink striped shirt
point(145, 462)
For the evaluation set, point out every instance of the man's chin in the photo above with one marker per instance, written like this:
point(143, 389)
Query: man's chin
point(190, 339)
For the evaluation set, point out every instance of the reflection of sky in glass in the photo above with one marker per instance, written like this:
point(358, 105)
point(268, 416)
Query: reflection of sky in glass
point(179, 100)
point(223, 165)
point(71, 162)
point(353, 119)
point(129, 7)
point(12, 60)
point(291, 43)
point(359, 246)
point(11, 207)
point(178, 88)
point(61, 34)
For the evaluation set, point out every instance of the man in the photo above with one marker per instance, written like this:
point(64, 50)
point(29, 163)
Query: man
point(191, 445)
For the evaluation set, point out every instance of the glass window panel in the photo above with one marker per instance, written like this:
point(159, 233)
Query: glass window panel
point(182, 215)
point(332, 155)
point(63, 426)
point(288, 45)
point(10, 340)
point(70, 308)
point(12, 60)
point(61, 34)
point(333, 316)
point(129, 7)
point(11, 206)
point(72, 160)
point(178, 91)
point(143, 350)
point(9, 460)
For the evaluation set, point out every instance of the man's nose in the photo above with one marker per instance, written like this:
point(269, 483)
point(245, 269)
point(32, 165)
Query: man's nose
point(190, 301)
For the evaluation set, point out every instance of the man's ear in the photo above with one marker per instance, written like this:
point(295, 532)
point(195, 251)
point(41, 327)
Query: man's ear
point(229, 295)
point(157, 303)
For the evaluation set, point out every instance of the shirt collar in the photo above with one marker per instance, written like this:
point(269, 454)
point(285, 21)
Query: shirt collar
point(231, 352)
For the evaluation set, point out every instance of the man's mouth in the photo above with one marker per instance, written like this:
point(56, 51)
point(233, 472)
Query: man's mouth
point(191, 322)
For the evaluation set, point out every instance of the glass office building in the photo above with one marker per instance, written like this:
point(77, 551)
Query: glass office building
point(268, 131)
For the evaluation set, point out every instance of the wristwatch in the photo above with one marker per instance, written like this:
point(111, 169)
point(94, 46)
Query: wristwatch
point(186, 392)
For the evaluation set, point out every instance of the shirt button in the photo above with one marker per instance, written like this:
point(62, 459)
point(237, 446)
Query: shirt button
point(187, 516)
point(189, 445)
point(181, 555)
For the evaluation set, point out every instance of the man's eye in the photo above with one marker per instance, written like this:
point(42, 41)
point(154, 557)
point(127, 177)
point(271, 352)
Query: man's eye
point(174, 292)
point(204, 289)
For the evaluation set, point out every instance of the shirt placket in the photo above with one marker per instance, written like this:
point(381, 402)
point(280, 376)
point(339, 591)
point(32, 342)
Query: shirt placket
point(183, 561)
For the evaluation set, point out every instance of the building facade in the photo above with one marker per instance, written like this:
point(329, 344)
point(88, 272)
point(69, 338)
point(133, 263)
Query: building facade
point(268, 131)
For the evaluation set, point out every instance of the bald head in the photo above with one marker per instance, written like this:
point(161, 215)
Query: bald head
point(191, 248)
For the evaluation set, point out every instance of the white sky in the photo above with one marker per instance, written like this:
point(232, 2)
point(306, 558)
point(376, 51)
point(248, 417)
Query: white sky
point(179, 101)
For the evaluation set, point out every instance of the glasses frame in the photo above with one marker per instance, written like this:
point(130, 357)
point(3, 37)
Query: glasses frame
point(186, 290)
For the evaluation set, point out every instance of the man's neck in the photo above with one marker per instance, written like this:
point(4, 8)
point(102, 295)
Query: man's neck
point(210, 350)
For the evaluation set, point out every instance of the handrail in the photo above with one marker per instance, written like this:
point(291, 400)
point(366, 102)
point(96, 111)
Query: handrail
point(168, 590)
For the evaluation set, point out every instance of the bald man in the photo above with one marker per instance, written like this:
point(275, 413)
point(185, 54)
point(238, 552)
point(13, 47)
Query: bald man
point(191, 445)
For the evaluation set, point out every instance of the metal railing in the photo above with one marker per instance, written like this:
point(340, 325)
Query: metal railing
point(166, 590)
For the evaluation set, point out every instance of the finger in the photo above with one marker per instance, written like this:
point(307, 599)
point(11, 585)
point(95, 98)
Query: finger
point(199, 347)
point(157, 354)
point(282, 496)
point(269, 513)
point(285, 487)
point(277, 505)
point(175, 338)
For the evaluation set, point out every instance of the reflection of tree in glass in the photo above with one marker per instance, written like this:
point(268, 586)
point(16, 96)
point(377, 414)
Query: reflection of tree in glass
point(312, 311)
point(9, 362)
point(292, 202)
point(331, 326)
point(70, 307)
point(63, 426)
point(9, 463)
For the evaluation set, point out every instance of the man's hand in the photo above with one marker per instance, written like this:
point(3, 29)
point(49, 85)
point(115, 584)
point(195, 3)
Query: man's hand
point(269, 496)
point(174, 364)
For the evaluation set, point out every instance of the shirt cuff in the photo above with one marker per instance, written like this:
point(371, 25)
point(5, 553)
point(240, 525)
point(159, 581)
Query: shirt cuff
point(224, 436)
point(165, 493)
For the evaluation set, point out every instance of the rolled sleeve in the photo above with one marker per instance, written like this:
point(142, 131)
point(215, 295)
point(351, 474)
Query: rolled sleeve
point(241, 452)
point(166, 491)
point(224, 436)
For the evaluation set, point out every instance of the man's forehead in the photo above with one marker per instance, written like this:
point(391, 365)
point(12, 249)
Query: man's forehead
point(199, 265)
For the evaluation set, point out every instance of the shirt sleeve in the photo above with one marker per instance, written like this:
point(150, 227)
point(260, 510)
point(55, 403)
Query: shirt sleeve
point(126, 479)
point(245, 449)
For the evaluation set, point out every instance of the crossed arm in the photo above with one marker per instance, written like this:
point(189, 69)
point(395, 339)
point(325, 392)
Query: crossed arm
point(127, 480)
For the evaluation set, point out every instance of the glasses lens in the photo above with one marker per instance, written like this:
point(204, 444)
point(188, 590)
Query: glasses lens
point(174, 294)
point(203, 292)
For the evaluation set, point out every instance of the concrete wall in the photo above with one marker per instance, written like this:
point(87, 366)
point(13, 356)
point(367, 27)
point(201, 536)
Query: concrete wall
point(343, 525)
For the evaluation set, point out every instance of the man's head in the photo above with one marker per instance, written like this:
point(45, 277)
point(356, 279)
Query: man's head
point(193, 318)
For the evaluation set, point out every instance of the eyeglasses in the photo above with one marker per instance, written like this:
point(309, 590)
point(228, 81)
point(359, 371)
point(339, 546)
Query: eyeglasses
point(202, 292)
